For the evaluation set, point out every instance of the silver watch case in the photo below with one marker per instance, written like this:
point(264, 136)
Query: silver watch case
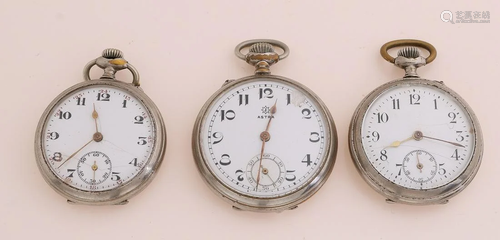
point(392, 191)
point(118, 195)
point(250, 203)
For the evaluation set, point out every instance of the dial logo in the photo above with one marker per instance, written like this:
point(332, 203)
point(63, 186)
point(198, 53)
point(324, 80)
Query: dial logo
point(266, 111)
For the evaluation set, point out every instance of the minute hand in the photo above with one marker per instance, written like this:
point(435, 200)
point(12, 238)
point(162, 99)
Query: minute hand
point(452, 143)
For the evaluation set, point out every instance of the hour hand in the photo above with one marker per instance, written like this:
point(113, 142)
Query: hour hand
point(95, 115)
point(397, 143)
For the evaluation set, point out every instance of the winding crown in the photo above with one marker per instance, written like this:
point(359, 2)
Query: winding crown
point(409, 52)
point(261, 48)
point(111, 53)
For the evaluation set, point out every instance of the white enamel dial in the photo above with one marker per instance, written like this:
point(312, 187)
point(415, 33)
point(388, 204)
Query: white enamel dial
point(417, 136)
point(98, 138)
point(230, 138)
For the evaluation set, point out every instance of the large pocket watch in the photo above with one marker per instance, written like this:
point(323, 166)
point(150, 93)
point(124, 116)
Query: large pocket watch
point(264, 142)
point(101, 141)
point(414, 140)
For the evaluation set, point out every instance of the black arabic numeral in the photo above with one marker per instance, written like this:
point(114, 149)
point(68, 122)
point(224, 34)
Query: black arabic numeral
point(441, 171)
point(138, 119)
point(395, 103)
point(460, 138)
point(455, 155)
point(64, 115)
point(314, 137)
point(383, 155)
point(80, 101)
point(229, 115)
point(290, 176)
point(239, 175)
point(453, 116)
point(400, 165)
point(376, 136)
point(133, 162)
point(103, 96)
point(414, 99)
point(243, 99)
point(225, 160)
point(53, 135)
point(307, 160)
point(115, 176)
point(382, 117)
point(71, 171)
point(306, 113)
point(218, 137)
point(57, 157)
point(142, 141)
point(265, 93)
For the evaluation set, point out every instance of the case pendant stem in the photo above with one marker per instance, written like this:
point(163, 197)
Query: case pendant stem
point(111, 62)
point(409, 58)
point(410, 72)
point(261, 54)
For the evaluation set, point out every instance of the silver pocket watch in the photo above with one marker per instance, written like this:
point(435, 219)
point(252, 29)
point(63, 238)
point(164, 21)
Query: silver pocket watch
point(264, 142)
point(101, 141)
point(413, 140)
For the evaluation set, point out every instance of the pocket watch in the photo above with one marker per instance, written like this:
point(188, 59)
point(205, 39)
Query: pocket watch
point(101, 141)
point(264, 143)
point(414, 140)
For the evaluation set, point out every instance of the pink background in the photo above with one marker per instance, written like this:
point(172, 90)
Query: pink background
point(184, 52)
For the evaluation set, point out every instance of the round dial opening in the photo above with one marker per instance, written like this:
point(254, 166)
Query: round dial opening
point(417, 136)
point(98, 138)
point(234, 130)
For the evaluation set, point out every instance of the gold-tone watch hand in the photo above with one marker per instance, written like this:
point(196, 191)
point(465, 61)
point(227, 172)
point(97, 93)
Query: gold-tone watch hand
point(397, 143)
point(260, 161)
point(94, 168)
point(97, 135)
point(94, 116)
point(452, 143)
point(265, 136)
point(419, 165)
point(72, 155)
